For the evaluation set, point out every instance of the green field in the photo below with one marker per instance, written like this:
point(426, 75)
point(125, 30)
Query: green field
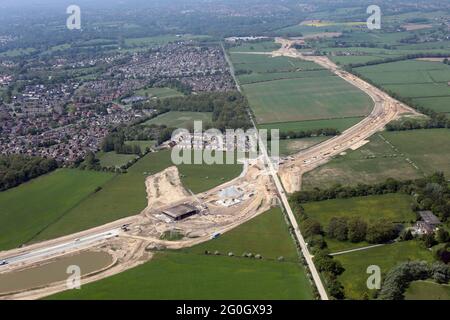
point(160, 93)
point(291, 146)
point(425, 82)
point(306, 99)
point(143, 144)
point(125, 194)
point(29, 208)
point(114, 160)
point(180, 119)
point(260, 46)
point(386, 257)
point(399, 155)
point(339, 124)
point(392, 207)
point(161, 40)
point(190, 274)
point(265, 63)
point(427, 290)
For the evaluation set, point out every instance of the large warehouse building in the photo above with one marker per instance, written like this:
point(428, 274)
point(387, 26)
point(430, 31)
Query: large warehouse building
point(180, 212)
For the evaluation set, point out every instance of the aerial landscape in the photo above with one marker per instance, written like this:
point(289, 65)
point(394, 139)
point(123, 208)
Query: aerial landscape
point(225, 150)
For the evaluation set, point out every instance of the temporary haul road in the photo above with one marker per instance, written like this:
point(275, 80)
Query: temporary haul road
point(385, 110)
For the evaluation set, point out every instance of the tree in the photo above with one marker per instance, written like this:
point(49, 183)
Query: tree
point(380, 232)
point(312, 227)
point(357, 229)
point(442, 235)
point(429, 240)
point(338, 229)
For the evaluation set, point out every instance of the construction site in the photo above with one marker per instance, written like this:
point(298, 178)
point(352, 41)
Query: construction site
point(176, 218)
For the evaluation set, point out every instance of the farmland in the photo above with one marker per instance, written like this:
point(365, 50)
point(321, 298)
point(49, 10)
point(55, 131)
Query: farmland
point(190, 274)
point(425, 82)
point(399, 155)
point(291, 146)
point(355, 263)
point(392, 207)
point(121, 195)
point(427, 290)
point(180, 119)
point(112, 159)
point(305, 99)
point(31, 207)
point(339, 124)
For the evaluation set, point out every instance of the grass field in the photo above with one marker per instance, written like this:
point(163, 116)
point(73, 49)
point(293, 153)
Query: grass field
point(386, 257)
point(125, 194)
point(427, 290)
point(400, 155)
point(180, 119)
point(29, 208)
point(260, 46)
point(112, 159)
point(189, 274)
point(340, 124)
point(161, 40)
point(425, 82)
point(160, 93)
point(392, 207)
point(306, 99)
point(291, 146)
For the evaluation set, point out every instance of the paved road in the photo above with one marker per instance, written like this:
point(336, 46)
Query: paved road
point(60, 248)
point(271, 170)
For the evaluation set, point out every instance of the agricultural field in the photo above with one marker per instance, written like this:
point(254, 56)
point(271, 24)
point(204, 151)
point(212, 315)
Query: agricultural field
point(400, 155)
point(259, 46)
point(339, 124)
point(386, 257)
point(125, 194)
point(190, 274)
point(29, 208)
point(427, 290)
point(112, 159)
point(306, 99)
point(180, 119)
point(426, 82)
point(392, 207)
point(159, 93)
point(292, 146)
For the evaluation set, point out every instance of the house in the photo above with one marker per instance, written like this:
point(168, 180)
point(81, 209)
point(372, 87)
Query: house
point(428, 224)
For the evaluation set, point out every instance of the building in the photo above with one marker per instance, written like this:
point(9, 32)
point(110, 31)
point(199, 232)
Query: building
point(180, 212)
point(428, 225)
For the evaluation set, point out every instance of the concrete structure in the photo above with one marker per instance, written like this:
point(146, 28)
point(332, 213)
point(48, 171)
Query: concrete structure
point(180, 212)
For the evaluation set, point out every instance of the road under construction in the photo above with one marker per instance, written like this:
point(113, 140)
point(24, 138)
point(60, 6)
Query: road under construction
point(132, 240)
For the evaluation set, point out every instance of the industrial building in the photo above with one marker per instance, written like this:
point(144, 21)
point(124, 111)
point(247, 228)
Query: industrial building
point(180, 212)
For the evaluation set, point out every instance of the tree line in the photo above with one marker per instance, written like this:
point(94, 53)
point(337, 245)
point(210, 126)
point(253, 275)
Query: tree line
point(17, 169)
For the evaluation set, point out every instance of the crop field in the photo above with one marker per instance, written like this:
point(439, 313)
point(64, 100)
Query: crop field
point(426, 82)
point(427, 290)
point(114, 160)
point(160, 93)
point(339, 124)
point(291, 146)
point(399, 155)
point(125, 194)
point(260, 46)
point(392, 207)
point(190, 274)
point(259, 63)
point(29, 208)
point(263, 77)
point(386, 257)
point(306, 99)
point(180, 119)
